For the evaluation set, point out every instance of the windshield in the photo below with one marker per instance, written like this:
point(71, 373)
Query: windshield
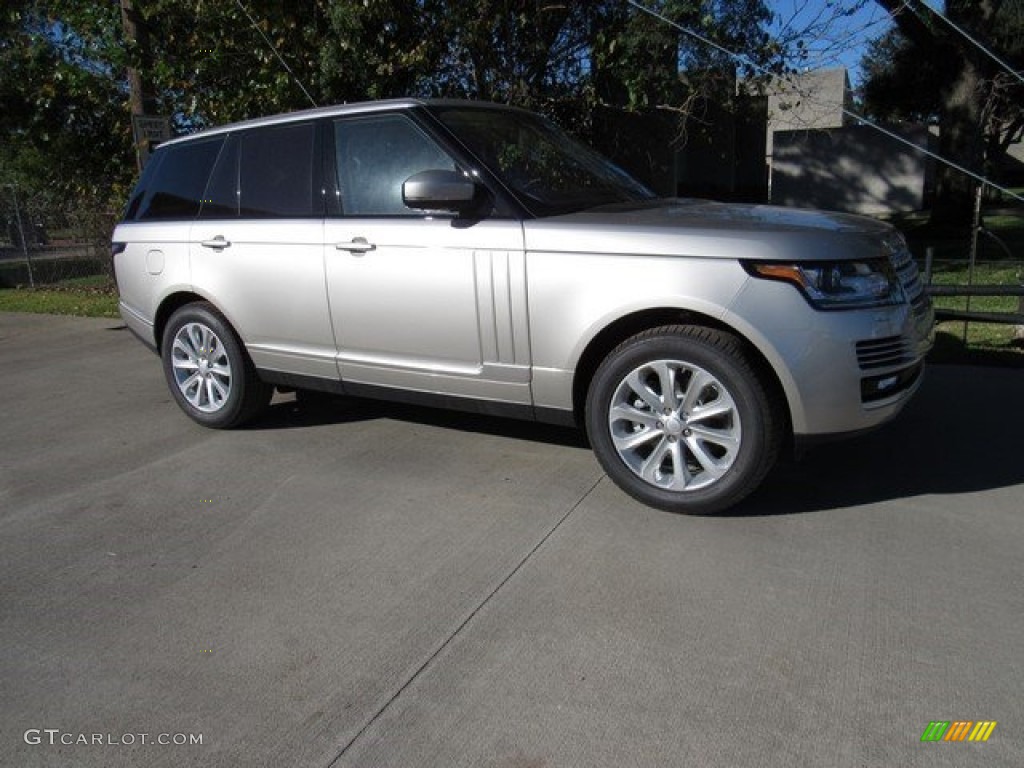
point(549, 172)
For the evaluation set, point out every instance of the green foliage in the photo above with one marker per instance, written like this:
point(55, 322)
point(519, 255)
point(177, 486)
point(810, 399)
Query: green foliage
point(377, 49)
point(66, 130)
point(900, 84)
point(62, 125)
point(82, 301)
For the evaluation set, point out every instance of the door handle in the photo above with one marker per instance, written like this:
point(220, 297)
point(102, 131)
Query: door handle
point(356, 245)
point(218, 243)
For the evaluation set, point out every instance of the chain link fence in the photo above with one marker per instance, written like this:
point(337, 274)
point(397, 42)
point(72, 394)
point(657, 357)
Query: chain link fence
point(41, 245)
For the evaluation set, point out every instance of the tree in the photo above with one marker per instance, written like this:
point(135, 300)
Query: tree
point(64, 63)
point(925, 70)
point(64, 142)
point(377, 49)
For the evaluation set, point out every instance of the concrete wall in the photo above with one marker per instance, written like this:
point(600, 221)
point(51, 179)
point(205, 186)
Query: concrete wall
point(807, 101)
point(853, 169)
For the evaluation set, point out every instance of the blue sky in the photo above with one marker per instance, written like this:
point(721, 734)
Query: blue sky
point(833, 39)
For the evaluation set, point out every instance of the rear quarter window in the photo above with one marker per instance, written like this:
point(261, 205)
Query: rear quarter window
point(220, 201)
point(175, 188)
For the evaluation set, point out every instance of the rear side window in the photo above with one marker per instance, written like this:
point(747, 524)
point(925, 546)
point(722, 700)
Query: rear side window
point(220, 201)
point(276, 175)
point(174, 190)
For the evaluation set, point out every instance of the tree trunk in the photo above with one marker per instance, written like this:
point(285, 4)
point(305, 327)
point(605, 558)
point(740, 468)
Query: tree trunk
point(135, 36)
point(962, 120)
point(961, 141)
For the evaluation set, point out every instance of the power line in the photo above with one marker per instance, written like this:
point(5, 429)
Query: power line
point(850, 113)
point(272, 48)
point(966, 34)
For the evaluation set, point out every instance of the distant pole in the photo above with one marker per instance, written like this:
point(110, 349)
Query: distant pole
point(21, 236)
point(975, 231)
point(1018, 332)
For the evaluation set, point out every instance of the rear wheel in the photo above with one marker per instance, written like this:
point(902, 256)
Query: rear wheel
point(207, 370)
point(680, 420)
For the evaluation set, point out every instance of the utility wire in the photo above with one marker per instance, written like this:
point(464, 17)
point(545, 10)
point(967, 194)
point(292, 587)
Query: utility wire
point(850, 113)
point(272, 48)
point(963, 32)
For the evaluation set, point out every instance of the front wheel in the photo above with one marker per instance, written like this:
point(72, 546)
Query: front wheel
point(680, 420)
point(208, 372)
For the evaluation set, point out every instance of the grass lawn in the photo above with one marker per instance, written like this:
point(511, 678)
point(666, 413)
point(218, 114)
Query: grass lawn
point(84, 296)
point(988, 336)
point(1000, 261)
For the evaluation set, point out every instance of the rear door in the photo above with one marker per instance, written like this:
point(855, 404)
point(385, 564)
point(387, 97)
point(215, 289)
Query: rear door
point(257, 248)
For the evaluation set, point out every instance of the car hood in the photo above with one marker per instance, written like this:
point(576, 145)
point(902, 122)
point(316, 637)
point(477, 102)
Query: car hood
point(701, 228)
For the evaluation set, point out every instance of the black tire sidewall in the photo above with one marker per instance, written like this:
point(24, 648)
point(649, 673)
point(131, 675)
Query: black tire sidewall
point(233, 411)
point(756, 452)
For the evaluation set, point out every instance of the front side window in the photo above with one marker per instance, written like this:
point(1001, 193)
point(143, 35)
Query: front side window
point(276, 173)
point(375, 155)
point(175, 189)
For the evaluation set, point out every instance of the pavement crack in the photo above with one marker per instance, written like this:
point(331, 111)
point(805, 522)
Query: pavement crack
point(465, 623)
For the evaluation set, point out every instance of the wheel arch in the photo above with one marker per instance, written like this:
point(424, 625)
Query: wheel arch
point(168, 306)
point(243, 393)
point(637, 322)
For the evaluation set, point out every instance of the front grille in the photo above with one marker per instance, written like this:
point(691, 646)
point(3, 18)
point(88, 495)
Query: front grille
point(909, 276)
point(883, 353)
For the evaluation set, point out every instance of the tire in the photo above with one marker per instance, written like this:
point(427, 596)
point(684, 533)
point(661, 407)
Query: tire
point(700, 449)
point(208, 371)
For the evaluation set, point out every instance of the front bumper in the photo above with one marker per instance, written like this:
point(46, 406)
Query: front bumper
point(842, 371)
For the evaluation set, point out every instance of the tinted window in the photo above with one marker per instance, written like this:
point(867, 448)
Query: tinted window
point(375, 155)
point(178, 182)
point(131, 210)
point(220, 201)
point(276, 177)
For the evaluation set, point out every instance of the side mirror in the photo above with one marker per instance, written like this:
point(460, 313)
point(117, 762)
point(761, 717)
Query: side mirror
point(447, 191)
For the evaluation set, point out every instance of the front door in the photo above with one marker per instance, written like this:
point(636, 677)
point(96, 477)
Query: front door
point(424, 303)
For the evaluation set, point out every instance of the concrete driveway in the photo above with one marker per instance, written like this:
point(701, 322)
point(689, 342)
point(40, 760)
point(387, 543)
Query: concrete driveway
point(373, 585)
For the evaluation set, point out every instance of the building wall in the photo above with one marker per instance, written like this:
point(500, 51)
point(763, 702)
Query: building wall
point(807, 101)
point(854, 169)
point(792, 146)
point(1011, 170)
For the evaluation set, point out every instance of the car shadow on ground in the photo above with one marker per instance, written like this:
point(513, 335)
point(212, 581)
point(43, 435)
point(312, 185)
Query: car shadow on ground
point(962, 433)
point(287, 413)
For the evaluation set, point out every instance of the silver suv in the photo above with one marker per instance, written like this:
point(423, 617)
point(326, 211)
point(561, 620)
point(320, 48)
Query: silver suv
point(472, 256)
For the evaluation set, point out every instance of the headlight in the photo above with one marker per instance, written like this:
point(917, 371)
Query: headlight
point(837, 284)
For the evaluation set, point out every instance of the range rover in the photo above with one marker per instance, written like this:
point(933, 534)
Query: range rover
point(472, 256)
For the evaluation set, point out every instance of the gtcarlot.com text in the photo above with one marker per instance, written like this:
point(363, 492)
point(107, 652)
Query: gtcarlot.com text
point(55, 736)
